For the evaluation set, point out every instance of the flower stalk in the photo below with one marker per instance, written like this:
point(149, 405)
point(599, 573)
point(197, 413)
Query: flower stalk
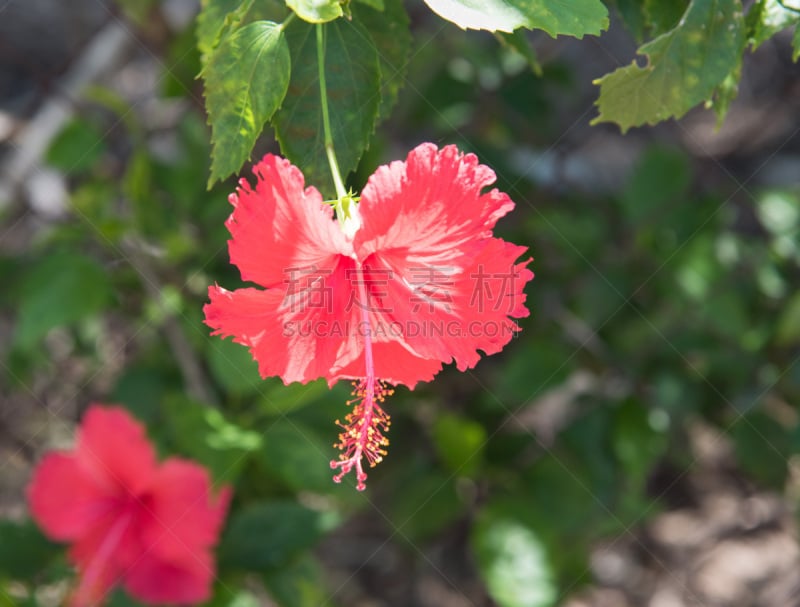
point(341, 193)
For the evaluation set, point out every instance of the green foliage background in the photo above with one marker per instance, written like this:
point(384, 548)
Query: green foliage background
point(666, 302)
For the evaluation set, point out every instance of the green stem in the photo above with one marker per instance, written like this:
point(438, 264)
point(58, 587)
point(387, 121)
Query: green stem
point(326, 121)
point(287, 21)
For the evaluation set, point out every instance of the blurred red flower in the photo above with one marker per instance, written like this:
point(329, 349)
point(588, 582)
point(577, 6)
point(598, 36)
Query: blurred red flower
point(408, 279)
point(131, 521)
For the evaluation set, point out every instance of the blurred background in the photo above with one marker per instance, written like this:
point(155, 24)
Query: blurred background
point(636, 445)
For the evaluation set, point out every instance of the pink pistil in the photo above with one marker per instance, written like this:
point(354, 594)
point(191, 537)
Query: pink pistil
point(88, 584)
point(363, 431)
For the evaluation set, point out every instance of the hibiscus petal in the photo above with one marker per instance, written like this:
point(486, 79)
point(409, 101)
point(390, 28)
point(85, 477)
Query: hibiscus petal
point(184, 516)
point(114, 450)
point(295, 341)
point(63, 498)
point(429, 207)
point(393, 363)
point(279, 231)
point(152, 579)
point(444, 315)
point(490, 298)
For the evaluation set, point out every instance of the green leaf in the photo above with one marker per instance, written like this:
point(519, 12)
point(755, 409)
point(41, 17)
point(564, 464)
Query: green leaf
point(10, 276)
point(245, 81)
point(300, 584)
point(24, 551)
point(298, 455)
point(316, 11)
point(90, 201)
point(353, 81)
point(766, 18)
point(660, 177)
point(423, 503)
point(459, 443)
point(211, 23)
point(218, 18)
point(60, 289)
point(77, 147)
point(269, 534)
point(519, 42)
point(391, 38)
point(779, 212)
point(233, 367)
point(566, 17)
point(796, 45)
point(788, 329)
point(662, 15)
point(120, 598)
point(637, 445)
point(137, 186)
point(513, 561)
point(633, 16)
point(205, 435)
point(118, 105)
point(140, 389)
point(725, 93)
point(278, 399)
point(684, 67)
point(226, 595)
point(588, 457)
point(697, 269)
point(378, 5)
point(548, 357)
point(763, 447)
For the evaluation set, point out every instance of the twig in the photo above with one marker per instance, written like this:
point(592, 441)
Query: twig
point(97, 59)
point(192, 371)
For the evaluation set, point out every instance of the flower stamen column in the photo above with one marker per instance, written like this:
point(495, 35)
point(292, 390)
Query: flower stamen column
point(363, 433)
point(92, 586)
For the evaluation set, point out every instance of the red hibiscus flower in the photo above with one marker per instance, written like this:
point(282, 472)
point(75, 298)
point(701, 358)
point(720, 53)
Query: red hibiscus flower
point(131, 521)
point(409, 278)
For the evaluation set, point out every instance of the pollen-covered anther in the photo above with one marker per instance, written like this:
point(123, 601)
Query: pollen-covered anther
point(362, 434)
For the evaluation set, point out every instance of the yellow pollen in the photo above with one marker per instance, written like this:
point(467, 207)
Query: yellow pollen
point(362, 434)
